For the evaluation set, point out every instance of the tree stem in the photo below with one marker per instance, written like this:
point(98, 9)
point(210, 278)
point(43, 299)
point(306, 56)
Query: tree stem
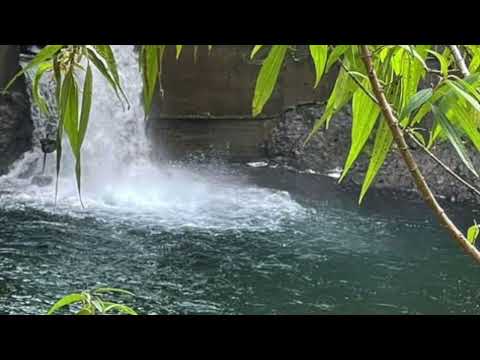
point(420, 182)
point(459, 60)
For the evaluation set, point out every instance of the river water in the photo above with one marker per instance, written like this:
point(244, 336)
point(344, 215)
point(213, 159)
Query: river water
point(217, 239)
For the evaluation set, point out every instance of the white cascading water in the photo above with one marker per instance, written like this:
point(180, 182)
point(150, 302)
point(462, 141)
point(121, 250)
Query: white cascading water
point(119, 181)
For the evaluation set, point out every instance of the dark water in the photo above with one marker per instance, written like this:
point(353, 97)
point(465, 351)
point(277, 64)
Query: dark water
point(387, 257)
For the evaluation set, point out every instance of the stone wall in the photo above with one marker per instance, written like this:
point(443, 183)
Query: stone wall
point(206, 108)
point(207, 103)
point(15, 120)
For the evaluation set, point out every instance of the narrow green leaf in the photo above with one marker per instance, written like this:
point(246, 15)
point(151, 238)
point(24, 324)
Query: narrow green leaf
point(319, 55)
point(45, 54)
point(341, 94)
point(106, 52)
point(121, 308)
point(65, 301)
point(336, 53)
point(472, 233)
point(267, 77)
point(150, 68)
point(255, 50)
point(179, 50)
point(416, 102)
point(454, 138)
point(410, 49)
point(86, 104)
point(365, 114)
point(463, 94)
point(443, 62)
point(37, 97)
point(381, 148)
point(105, 72)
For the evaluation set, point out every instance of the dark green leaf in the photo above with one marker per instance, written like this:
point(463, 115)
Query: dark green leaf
point(454, 138)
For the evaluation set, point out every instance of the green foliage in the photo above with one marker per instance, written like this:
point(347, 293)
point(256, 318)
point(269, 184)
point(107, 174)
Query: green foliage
point(65, 61)
point(319, 56)
point(365, 114)
point(93, 303)
point(454, 102)
point(267, 77)
point(472, 233)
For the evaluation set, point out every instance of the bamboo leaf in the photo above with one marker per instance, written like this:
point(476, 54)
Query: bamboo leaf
point(150, 66)
point(267, 77)
point(443, 62)
point(365, 114)
point(104, 71)
point(336, 53)
point(255, 50)
point(65, 301)
point(463, 94)
point(106, 53)
point(454, 138)
point(341, 94)
point(45, 54)
point(381, 148)
point(416, 102)
point(121, 308)
point(179, 50)
point(319, 55)
point(86, 104)
point(472, 233)
point(37, 97)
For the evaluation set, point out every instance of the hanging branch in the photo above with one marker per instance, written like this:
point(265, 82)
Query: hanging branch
point(399, 139)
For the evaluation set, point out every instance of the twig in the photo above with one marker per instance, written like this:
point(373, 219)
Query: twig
point(443, 165)
point(409, 160)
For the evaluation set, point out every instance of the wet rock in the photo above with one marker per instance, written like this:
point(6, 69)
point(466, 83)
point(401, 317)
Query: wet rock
point(328, 149)
point(16, 125)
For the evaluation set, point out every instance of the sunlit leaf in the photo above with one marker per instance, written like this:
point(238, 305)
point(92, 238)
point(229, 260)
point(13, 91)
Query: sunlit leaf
point(319, 55)
point(267, 77)
point(65, 301)
point(255, 50)
point(381, 148)
point(472, 233)
point(179, 50)
point(365, 115)
point(45, 54)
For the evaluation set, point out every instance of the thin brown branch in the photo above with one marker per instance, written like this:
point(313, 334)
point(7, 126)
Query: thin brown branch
point(360, 85)
point(407, 156)
point(443, 165)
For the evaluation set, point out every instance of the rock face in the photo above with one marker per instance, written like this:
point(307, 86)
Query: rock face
point(16, 126)
point(328, 150)
point(206, 108)
point(207, 104)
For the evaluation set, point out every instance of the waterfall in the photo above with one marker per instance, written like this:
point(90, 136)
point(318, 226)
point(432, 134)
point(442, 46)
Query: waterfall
point(118, 176)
